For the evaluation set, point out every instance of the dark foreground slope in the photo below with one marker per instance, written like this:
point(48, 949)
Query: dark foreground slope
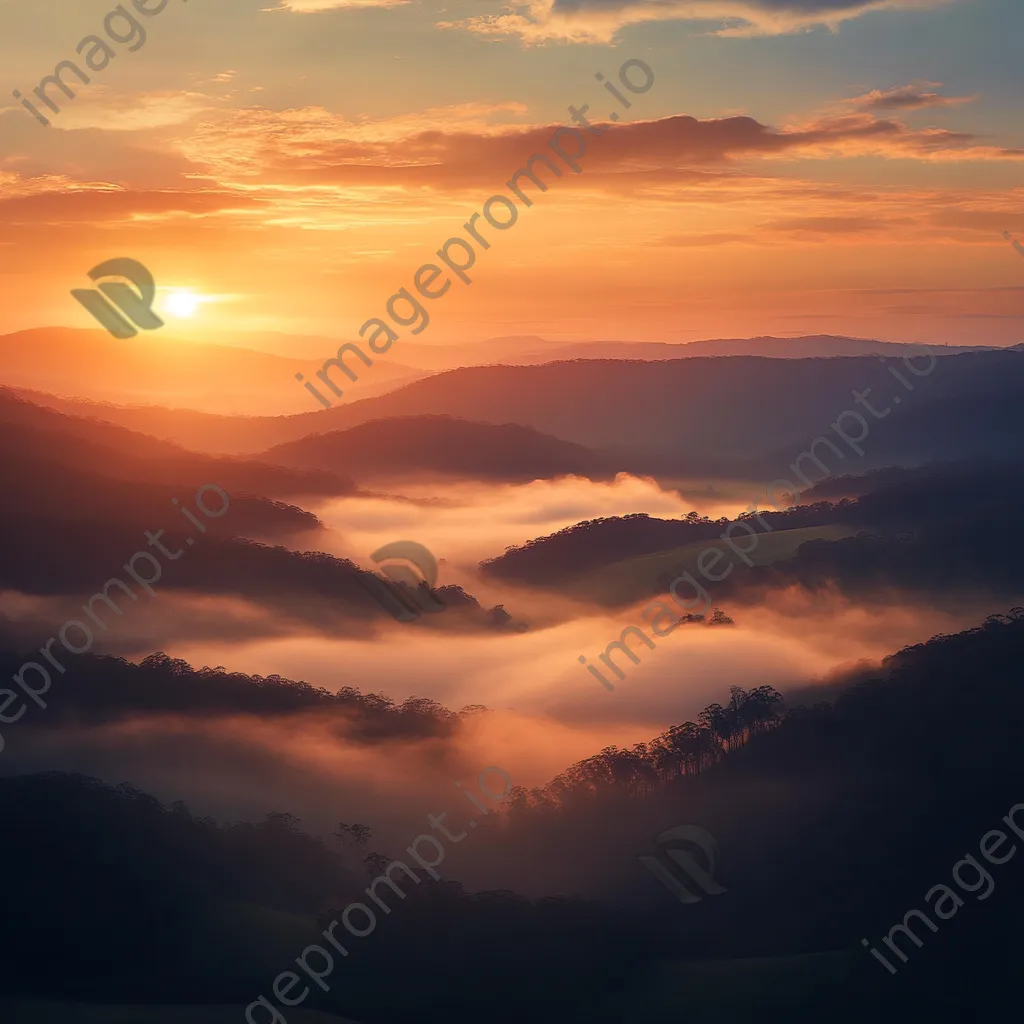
point(832, 822)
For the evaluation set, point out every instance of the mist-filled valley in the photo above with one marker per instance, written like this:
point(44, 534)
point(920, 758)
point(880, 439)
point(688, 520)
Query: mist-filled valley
point(509, 512)
point(227, 677)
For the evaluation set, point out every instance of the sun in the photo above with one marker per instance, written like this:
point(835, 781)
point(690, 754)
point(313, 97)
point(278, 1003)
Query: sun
point(182, 303)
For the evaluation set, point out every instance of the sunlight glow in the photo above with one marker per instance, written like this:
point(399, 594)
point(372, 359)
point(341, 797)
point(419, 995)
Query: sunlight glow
point(182, 304)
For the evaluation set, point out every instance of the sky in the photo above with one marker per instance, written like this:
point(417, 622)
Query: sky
point(796, 166)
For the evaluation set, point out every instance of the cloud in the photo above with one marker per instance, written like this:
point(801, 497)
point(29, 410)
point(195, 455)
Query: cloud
point(311, 169)
point(827, 225)
point(908, 97)
point(113, 111)
point(312, 148)
point(598, 21)
point(58, 202)
point(317, 6)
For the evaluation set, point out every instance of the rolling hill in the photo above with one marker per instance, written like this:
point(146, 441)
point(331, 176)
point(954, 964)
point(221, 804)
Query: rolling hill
point(927, 532)
point(35, 433)
point(441, 444)
point(740, 416)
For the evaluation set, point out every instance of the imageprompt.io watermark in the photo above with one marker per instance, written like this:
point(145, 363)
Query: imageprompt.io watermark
point(121, 26)
point(285, 984)
point(1013, 241)
point(41, 674)
point(676, 844)
point(404, 308)
point(946, 901)
point(710, 556)
point(134, 306)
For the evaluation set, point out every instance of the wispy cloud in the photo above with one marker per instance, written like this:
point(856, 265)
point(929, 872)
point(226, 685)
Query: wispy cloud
point(315, 148)
point(118, 111)
point(317, 6)
point(829, 225)
point(598, 21)
point(908, 97)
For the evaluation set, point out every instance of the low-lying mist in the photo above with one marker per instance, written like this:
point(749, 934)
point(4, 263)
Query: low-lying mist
point(547, 711)
point(474, 521)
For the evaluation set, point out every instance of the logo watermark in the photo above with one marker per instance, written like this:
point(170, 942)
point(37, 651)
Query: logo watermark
point(946, 901)
point(697, 877)
point(412, 571)
point(134, 305)
point(1013, 241)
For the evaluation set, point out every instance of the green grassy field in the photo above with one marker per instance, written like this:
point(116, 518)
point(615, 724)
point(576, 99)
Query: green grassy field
point(633, 579)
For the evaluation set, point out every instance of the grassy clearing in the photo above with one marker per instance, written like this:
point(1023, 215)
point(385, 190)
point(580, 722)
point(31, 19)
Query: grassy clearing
point(633, 579)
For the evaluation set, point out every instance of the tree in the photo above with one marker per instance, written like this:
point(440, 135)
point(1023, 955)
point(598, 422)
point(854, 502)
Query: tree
point(352, 837)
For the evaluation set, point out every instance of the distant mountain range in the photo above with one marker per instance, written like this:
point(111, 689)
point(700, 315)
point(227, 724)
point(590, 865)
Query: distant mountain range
point(34, 433)
point(531, 350)
point(159, 369)
point(739, 416)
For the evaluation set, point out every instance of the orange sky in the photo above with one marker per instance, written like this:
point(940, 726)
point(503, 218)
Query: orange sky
point(293, 168)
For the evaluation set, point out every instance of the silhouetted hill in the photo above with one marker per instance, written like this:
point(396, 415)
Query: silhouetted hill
point(147, 864)
point(528, 350)
point(937, 535)
point(68, 527)
point(910, 530)
point(80, 444)
point(717, 415)
point(218, 892)
point(830, 826)
point(40, 486)
point(831, 822)
point(441, 444)
point(108, 688)
point(818, 346)
point(560, 557)
point(47, 553)
point(730, 416)
point(854, 486)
